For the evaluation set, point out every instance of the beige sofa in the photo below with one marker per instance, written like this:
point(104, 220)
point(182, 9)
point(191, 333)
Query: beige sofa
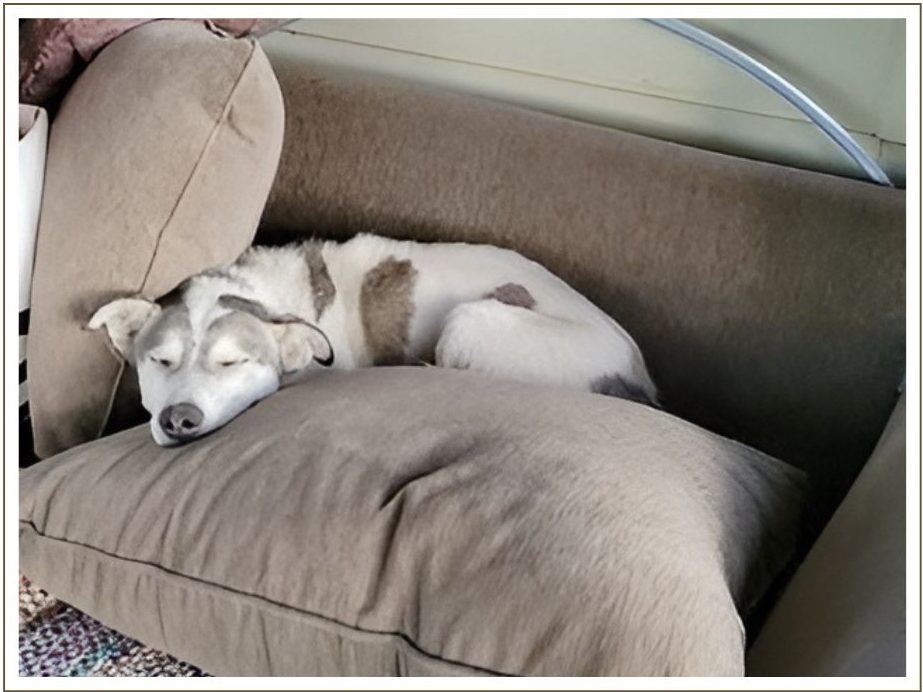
point(769, 303)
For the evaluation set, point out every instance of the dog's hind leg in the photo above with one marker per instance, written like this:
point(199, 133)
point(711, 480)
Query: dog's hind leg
point(520, 343)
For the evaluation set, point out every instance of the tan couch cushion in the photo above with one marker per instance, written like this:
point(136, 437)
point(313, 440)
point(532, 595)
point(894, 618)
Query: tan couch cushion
point(159, 163)
point(411, 521)
point(845, 610)
point(52, 52)
point(769, 302)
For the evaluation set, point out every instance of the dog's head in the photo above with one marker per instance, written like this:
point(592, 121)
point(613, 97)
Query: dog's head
point(206, 356)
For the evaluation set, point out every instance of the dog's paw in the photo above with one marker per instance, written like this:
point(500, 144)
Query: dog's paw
point(461, 341)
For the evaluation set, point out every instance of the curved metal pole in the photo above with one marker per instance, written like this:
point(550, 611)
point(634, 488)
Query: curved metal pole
point(783, 88)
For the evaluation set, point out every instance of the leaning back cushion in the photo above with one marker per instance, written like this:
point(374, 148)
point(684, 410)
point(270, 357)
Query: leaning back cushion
point(412, 521)
point(159, 163)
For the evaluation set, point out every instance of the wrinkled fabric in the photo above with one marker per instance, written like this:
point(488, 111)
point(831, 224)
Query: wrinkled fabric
point(768, 301)
point(158, 166)
point(409, 521)
point(53, 52)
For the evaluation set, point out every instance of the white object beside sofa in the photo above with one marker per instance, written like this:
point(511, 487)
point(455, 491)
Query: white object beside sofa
point(33, 142)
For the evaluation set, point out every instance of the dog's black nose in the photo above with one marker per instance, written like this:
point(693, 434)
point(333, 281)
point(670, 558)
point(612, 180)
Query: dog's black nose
point(181, 421)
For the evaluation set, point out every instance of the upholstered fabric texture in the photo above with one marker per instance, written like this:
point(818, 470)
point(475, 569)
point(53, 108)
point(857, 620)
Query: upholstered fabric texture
point(416, 521)
point(856, 623)
point(53, 52)
point(768, 302)
point(159, 163)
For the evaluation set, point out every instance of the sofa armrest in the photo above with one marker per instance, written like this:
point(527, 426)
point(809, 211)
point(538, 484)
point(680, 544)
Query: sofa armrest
point(844, 611)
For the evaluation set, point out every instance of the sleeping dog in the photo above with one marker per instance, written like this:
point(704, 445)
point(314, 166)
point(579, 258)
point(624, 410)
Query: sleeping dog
point(226, 338)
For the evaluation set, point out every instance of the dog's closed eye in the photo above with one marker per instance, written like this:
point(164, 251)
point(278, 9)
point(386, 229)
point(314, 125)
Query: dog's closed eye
point(164, 362)
point(229, 363)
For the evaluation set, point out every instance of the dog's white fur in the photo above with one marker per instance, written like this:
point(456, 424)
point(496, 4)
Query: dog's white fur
point(221, 355)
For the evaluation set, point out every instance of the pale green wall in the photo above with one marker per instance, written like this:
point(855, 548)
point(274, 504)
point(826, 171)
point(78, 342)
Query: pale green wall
point(628, 74)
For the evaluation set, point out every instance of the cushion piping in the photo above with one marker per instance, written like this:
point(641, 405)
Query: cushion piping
point(348, 628)
point(192, 174)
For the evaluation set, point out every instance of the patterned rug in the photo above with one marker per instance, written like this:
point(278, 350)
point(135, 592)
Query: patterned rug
point(57, 640)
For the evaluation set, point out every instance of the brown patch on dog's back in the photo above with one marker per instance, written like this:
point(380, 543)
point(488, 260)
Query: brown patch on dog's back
point(321, 284)
point(386, 306)
point(513, 294)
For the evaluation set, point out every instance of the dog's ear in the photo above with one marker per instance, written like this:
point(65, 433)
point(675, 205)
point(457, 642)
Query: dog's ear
point(299, 344)
point(123, 319)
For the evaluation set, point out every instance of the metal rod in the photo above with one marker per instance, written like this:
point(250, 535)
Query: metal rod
point(783, 88)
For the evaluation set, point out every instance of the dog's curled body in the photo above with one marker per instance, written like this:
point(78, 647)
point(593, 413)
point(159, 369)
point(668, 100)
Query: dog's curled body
point(368, 301)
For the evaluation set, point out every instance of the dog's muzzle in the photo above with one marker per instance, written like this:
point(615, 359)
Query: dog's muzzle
point(181, 422)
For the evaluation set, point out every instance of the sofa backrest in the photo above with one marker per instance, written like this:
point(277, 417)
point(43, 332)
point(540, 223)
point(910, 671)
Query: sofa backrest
point(768, 301)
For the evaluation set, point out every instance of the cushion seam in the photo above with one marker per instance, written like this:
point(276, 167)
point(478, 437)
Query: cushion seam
point(166, 224)
point(285, 606)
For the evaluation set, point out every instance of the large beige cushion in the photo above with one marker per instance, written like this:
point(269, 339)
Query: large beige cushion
point(768, 302)
point(411, 521)
point(159, 163)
